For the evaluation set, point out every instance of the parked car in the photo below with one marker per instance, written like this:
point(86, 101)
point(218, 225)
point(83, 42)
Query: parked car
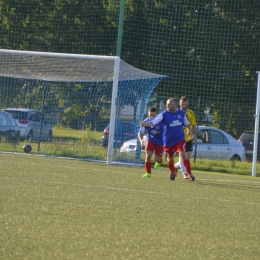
point(131, 145)
point(212, 144)
point(124, 130)
point(9, 130)
point(247, 139)
point(33, 126)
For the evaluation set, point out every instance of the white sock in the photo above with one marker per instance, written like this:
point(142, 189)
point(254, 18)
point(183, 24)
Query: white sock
point(181, 165)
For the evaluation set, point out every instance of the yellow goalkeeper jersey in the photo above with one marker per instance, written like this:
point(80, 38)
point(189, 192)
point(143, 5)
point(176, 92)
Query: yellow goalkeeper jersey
point(191, 117)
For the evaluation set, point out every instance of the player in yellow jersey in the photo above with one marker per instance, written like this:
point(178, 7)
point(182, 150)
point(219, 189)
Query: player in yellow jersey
point(184, 102)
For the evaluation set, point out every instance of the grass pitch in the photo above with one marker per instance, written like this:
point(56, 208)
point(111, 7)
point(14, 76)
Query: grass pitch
point(67, 209)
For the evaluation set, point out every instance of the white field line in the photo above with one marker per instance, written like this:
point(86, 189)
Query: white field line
point(131, 190)
point(114, 170)
point(234, 180)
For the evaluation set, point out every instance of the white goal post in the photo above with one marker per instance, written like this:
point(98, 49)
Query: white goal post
point(256, 126)
point(115, 68)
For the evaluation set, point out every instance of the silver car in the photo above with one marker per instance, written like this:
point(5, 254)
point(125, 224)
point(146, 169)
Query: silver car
point(33, 126)
point(217, 144)
point(9, 131)
point(212, 143)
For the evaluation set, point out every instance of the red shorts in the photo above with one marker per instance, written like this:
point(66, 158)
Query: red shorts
point(176, 148)
point(156, 148)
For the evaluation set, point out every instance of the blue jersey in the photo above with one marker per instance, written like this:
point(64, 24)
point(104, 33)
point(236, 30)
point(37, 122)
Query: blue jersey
point(154, 133)
point(172, 126)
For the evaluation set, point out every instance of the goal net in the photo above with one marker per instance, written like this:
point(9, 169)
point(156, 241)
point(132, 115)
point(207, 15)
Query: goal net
point(83, 106)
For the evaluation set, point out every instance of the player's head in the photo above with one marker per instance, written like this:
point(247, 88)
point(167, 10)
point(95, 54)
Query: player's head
point(184, 102)
point(171, 104)
point(152, 112)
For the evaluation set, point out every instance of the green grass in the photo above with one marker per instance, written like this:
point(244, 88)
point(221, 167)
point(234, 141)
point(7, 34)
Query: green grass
point(64, 133)
point(231, 167)
point(73, 143)
point(68, 209)
point(83, 149)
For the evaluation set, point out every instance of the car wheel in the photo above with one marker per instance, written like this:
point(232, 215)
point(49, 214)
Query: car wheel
point(30, 137)
point(49, 137)
point(235, 157)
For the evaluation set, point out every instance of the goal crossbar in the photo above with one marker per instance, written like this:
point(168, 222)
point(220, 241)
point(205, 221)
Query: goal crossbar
point(65, 67)
point(57, 54)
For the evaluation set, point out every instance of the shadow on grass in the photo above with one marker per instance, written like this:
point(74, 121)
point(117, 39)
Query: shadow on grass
point(233, 185)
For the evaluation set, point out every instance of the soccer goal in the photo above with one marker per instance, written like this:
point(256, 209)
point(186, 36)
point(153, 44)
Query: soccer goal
point(93, 103)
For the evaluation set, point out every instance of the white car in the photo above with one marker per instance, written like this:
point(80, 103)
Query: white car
point(131, 145)
point(212, 143)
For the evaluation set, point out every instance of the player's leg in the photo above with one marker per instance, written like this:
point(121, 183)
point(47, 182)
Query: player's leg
point(177, 164)
point(180, 165)
point(186, 164)
point(148, 163)
point(188, 153)
point(158, 156)
point(170, 161)
point(148, 159)
point(180, 147)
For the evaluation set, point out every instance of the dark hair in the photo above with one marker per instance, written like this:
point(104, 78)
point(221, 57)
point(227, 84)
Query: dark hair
point(184, 98)
point(152, 109)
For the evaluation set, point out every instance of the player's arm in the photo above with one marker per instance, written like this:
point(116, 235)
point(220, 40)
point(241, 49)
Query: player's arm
point(194, 131)
point(153, 122)
point(193, 125)
point(141, 135)
point(187, 125)
point(144, 124)
point(189, 130)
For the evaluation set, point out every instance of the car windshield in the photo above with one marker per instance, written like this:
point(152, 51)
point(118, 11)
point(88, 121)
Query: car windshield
point(17, 114)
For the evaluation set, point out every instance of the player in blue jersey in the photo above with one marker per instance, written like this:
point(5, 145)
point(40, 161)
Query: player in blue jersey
point(154, 143)
point(173, 121)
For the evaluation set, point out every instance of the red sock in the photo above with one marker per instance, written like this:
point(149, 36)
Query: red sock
point(160, 161)
point(171, 167)
point(148, 166)
point(187, 165)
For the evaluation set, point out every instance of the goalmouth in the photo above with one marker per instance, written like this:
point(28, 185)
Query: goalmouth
point(130, 86)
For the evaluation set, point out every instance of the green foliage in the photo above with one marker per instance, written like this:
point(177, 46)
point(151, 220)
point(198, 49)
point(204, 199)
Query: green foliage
point(209, 51)
point(70, 117)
